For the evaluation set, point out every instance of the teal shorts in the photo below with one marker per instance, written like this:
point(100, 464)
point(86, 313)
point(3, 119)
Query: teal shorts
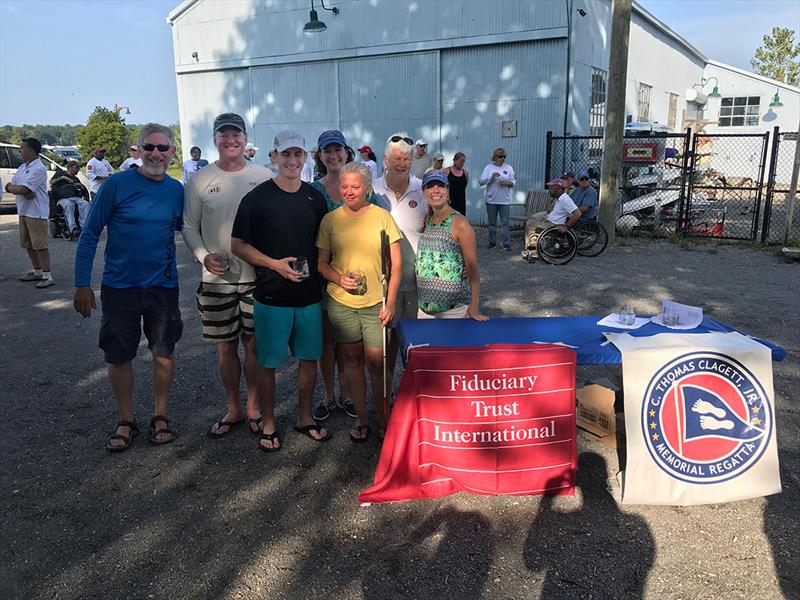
point(279, 327)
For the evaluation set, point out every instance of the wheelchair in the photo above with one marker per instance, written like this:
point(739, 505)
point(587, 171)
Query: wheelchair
point(58, 221)
point(592, 238)
point(554, 247)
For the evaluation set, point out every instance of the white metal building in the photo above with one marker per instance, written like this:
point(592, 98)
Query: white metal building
point(466, 75)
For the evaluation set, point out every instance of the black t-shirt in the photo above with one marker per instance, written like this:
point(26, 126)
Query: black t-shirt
point(281, 224)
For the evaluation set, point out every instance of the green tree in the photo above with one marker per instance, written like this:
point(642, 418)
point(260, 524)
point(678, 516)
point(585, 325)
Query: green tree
point(777, 58)
point(105, 128)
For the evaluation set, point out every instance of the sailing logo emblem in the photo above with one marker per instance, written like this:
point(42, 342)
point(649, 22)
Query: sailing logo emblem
point(706, 418)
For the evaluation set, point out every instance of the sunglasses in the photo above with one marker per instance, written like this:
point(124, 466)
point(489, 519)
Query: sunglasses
point(151, 147)
point(499, 155)
point(397, 138)
point(583, 179)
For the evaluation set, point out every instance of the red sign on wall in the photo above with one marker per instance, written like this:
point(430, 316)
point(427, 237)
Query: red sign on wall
point(640, 152)
point(497, 419)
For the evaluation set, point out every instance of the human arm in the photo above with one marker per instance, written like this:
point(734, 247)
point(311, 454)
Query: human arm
point(387, 312)
point(487, 175)
point(18, 190)
point(465, 236)
point(249, 254)
point(511, 180)
point(192, 217)
point(330, 274)
point(99, 216)
point(573, 218)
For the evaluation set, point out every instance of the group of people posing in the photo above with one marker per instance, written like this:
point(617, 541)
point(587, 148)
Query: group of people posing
point(324, 270)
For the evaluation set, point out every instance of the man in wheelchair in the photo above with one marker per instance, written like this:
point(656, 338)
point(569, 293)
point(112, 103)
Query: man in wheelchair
point(69, 193)
point(585, 197)
point(564, 214)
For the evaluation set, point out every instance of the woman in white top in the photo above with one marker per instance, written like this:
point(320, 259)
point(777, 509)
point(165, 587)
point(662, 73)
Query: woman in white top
point(498, 178)
point(369, 160)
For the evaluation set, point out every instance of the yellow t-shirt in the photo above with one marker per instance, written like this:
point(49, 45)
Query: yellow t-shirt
point(355, 245)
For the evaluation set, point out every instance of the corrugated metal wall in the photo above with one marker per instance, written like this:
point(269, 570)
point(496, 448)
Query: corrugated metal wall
point(486, 85)
point(456, 99)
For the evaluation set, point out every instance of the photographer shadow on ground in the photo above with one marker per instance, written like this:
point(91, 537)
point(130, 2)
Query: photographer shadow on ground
point(596, 550)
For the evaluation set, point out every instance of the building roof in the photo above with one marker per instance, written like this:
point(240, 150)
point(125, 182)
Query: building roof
point(752, 75)
point(179, 10)
point(640, 10)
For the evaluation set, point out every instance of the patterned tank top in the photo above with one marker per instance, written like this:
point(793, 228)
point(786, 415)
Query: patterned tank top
point(440, 267)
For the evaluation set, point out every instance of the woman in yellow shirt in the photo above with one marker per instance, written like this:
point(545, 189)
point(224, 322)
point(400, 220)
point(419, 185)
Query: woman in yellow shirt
point(349, 243)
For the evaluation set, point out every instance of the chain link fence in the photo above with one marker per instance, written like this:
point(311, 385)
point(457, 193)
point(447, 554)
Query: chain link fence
point(776, 215)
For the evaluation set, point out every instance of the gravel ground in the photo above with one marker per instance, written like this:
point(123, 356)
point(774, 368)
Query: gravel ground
point(208, 518)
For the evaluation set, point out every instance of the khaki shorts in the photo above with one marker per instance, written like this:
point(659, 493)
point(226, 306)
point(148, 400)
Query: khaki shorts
point(405, 307)
point(351, 325)
point(33, 233)
point(534, 226)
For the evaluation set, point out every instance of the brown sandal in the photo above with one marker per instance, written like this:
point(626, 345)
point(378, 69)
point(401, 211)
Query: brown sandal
point(154, 433)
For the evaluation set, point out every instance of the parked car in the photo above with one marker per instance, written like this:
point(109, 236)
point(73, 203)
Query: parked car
point(11, 159)
point(65, 153)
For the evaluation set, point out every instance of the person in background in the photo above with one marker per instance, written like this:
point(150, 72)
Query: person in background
point(142, 209)
point(569, 181)
point(275, 227)
point(250, 151)
point(70, 193)
point(309, 173)
point(369, 160)
point(458, 178)
point(401, 194)
point(133, 161)
point(421, 160)
point(193, 165)
point(225, 295)
point(29, 185)
point(272, 165)
point(350, 256)
point(446, 247)
point(98, 169)
point(437, 164)
point(585, 197)
point(564, 214)
point(498, 178)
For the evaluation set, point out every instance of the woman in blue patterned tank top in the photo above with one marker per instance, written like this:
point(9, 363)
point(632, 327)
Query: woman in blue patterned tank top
point(446, 248)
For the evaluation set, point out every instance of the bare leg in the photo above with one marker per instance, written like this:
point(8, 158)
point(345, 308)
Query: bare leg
point(230, 370)
point(250, 366)
point(306, 379)
point(265, 380)
point(327, 363)
point(33, 255)
point(163, 371)
point(121, 376)
point(344, 386)
point(44, 259)
point(375, 368)
point(354, 368)
point(391, 358)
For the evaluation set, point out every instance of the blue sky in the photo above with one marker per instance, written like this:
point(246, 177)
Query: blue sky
point(61, 58)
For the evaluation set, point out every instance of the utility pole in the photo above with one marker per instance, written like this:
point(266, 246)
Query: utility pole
point(615, 116)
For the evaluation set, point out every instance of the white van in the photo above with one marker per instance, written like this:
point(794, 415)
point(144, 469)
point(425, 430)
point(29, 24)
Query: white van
point(11, 159)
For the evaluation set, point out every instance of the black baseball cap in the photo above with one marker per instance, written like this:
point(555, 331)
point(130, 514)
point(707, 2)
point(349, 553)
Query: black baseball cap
point(229, 120)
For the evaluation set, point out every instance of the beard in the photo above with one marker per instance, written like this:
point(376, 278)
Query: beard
point(156, 170)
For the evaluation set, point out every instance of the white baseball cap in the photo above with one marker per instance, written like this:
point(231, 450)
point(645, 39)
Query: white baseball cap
point(250, 146)
point(289, 139)
point(421, 142)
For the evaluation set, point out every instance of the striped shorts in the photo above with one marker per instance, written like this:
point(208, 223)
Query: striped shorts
point(226, 310)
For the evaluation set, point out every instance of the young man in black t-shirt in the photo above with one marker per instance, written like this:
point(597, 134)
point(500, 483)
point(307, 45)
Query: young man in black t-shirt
point(275, 231)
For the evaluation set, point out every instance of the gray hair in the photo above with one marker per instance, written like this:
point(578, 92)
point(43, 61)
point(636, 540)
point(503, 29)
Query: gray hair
point(400, 145)
point(360, 169)
point(151, 128)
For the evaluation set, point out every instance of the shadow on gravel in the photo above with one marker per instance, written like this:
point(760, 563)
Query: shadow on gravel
point(595, 551)
point(781, 525)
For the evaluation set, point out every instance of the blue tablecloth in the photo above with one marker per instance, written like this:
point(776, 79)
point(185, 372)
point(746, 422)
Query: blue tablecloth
point(581, 332)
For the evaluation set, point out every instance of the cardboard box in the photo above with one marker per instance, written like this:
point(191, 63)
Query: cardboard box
point(596, 413)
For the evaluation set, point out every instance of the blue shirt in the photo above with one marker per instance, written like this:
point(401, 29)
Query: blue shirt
point(142, 216)
point(586, 197)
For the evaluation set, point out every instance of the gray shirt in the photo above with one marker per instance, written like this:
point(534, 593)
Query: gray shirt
point(421, 164)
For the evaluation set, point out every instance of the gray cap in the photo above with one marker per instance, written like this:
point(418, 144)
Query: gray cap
point(229, 120)
point(289, 139)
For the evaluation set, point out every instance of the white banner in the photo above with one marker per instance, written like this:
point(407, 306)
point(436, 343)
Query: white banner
point(699, 418)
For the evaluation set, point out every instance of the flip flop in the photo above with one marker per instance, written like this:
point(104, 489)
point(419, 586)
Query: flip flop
point(156, 432)
point(271, 437)
point(127, 439)
point(309, 428)
point(363, 430)
point(212, 433)
point(257, 422)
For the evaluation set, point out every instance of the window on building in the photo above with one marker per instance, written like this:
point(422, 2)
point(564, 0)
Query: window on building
point(597, 111)
point(672, 111)
point(644, 101)
point(741, 111)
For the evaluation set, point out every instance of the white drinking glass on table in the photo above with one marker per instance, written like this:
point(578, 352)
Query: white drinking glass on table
point(670, 317)
point(627, 315)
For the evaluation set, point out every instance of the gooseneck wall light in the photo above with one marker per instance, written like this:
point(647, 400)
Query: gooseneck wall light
point(314, 25)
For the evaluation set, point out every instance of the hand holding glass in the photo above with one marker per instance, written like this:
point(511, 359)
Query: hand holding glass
point(300, 266)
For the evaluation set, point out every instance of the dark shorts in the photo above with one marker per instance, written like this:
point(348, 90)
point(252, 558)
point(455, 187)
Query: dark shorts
point(125, 310)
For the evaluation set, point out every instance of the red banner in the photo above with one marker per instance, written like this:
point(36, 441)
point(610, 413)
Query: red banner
point(497, 419)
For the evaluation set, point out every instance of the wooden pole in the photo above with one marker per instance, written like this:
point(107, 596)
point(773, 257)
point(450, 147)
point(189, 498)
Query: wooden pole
point(790, 197)
point(615, 116)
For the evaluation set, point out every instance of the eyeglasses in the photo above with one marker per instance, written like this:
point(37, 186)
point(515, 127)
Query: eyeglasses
point(499, 155)
point(583, 179)
point(397, 138)
point(151, 147)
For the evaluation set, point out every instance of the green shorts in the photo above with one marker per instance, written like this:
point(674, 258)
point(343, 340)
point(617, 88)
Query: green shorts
point(279, 327)
point(352, 325)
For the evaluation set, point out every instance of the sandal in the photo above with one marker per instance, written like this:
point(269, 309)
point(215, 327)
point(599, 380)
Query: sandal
point(215, 433)
point(309, 428)
point(125, 438)
point(363, 431)
point(257, 422)
point(270, 437)
point(154, 433)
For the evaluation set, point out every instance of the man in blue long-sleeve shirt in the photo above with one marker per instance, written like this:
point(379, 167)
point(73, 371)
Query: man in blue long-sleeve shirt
point(141, 208)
